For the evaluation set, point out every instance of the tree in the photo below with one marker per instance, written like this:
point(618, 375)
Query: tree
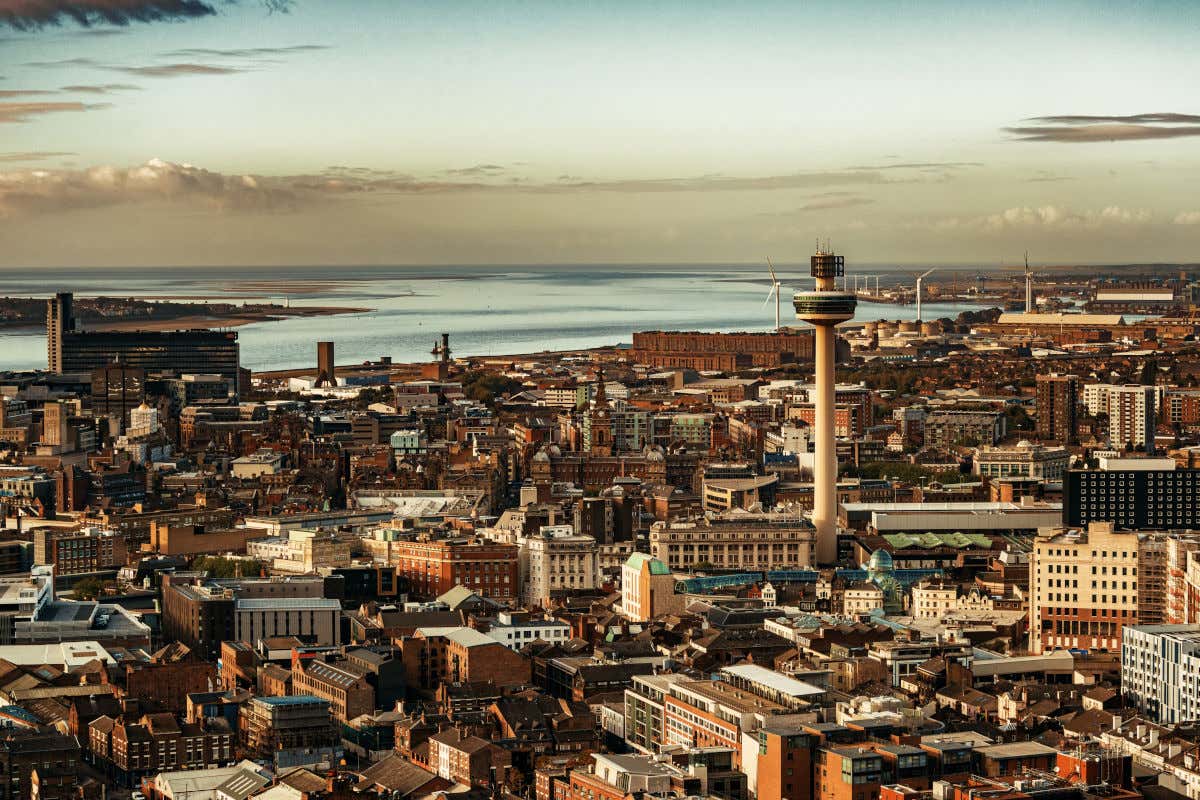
point(88, 588)
point(485, 387)
point(1149, 373)
point(219, 567)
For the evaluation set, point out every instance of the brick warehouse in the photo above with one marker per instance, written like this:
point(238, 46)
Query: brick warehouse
point(721, 351)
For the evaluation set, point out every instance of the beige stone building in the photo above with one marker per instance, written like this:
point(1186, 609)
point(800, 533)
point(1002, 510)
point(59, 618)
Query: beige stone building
point(557, 558)
point(1083, 588)
point(735, 541)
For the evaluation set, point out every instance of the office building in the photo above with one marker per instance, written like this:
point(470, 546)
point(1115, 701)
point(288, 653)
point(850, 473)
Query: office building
point(515, 629)
point(56, 430)
point(1057, 407)
point(947, 429)
point(203, 615)
point(78, 552)
point(1083, 588)
point(435, 566)
point(117, 389)
point(177, 352)
point(741, 541)
point(557, 559)
point(60, 320)
point(1024, 460)
point(1135, 498)
point(1160, 671)
point(647, 589)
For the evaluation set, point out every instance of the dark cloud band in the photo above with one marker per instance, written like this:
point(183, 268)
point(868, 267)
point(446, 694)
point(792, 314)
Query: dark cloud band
point(1087, 128)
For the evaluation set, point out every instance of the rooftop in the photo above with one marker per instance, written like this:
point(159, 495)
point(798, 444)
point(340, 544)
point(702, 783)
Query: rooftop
point(773, 680)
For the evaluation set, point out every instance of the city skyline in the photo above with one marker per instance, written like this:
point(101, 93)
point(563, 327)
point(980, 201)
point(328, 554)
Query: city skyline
point(381, 133)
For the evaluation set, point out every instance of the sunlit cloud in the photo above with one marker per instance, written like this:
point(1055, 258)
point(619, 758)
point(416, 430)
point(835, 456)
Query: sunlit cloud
point(1089, 129)
point(24, 112)
point(31, 15)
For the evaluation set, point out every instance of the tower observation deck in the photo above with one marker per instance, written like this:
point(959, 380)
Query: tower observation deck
point(824, 307)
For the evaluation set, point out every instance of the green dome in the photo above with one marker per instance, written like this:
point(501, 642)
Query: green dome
point(881, 561)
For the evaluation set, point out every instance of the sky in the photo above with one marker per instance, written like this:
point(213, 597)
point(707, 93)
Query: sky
point(178, 133)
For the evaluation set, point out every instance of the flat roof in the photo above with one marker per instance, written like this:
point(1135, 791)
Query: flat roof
point(69, 654)
point(460, 634)
point(287, 603)
point(775, 681)
point(1015, 750)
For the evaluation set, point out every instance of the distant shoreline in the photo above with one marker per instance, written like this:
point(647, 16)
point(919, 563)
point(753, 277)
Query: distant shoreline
point(194, 321)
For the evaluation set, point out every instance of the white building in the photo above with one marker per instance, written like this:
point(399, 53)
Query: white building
point(862, 598)
point(514, 630)
point(1131, 416)
point(1160, 671)
point(143, 421)
point(1025, 460)
point(934, 600)
point(557, 558)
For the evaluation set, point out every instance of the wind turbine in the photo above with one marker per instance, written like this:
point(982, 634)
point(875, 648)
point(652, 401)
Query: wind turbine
point(920, 278)
point(774, 291)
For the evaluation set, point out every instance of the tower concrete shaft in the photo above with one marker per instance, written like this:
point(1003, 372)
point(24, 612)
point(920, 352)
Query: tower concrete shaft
point(824, 515)
point(824, 308)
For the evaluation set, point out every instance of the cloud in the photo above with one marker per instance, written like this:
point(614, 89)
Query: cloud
point(924, 165)
point(46, 191)
point(1048, 218)
point(33, 155)
point(249, 52)
point(24, 92)
point(100, 88)
point(1187, 218)
point(177, 70)
point(824, 202)
point(1080, 128)
point(24, 112)
point(29, 15)
point(721, 183)
point(62, 62)
point(481, 170)
point(34, 14)
point(1042, 176)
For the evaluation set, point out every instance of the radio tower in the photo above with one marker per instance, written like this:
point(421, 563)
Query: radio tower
point(824, 308)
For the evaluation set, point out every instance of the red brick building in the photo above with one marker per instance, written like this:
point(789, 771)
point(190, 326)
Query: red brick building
point(158, 743)
point(721, 351)
point(165, 685)
point(343, 685)
point(435, 566)
point(436, 655)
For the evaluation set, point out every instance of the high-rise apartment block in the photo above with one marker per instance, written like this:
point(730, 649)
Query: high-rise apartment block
point(1131, 416)
point(1057, 408)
